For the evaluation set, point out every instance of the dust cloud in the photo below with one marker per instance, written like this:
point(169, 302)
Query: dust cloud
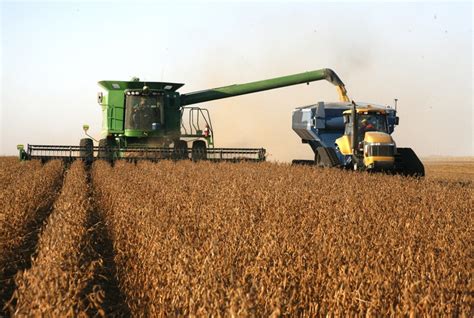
point(263, 119)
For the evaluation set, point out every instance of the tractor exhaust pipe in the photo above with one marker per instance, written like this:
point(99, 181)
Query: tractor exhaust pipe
point(354, 129)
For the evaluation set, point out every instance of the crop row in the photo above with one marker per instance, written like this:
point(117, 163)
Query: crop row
point(269, 240)
point(60, 280)
point(232, 239)
point(27, 193)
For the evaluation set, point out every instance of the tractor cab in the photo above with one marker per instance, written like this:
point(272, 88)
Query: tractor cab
point(366, 142)
point(367, 120)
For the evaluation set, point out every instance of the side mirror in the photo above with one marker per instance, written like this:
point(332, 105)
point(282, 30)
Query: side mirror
point(346, 119)
point(86, 128)
point(100, 97)
point(397, 120)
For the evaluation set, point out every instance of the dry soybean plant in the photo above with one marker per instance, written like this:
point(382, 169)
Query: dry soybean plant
point(64, 266)
point(268, 239)
point(222, 239)
point(26, 201)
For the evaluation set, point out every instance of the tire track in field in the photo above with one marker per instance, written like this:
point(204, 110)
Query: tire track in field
point(114, 303)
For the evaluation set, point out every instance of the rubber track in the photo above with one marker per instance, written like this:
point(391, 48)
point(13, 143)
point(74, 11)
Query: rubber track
point(408, 163)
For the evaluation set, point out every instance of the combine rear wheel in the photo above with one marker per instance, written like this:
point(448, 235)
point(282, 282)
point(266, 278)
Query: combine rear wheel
point(180, 150)
point(87, 150)
point(199, 151)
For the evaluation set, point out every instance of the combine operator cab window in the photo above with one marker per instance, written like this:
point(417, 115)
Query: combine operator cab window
point(144, 112)
point(371, 122)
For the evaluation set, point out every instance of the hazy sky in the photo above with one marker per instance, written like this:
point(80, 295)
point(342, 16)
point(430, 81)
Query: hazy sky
point(53, 54)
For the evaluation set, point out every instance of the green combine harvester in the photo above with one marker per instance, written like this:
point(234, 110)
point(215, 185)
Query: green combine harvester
point(153, 121)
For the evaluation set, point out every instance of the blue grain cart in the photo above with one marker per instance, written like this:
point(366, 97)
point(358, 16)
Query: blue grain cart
point(354, 135)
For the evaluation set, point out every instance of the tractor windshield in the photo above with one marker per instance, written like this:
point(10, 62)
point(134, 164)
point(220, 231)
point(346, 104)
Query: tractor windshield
point(144, 112)
point(371, 122)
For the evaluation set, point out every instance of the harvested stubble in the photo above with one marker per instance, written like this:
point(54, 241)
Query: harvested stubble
point(56, 283)
point(450, 170)
point(266, 239)
point(25, 202)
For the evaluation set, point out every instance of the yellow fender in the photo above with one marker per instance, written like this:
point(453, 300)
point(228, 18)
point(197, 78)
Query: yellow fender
point(344, 145)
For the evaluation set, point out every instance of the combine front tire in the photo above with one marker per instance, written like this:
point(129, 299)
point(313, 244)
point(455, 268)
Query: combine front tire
point(180, 150)
point(87, 150)
point(199, 151)
point(106, 147)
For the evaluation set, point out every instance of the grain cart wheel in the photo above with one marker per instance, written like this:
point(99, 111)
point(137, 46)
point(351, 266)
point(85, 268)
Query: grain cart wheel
point(302, 162)
point(180, 150)
point(199, 151)
point(326, 157)
point(87, 150)
point(106, 149)
point(317, 159)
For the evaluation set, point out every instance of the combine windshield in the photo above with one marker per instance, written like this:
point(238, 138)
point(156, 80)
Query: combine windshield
point(371, 122)
point(144, 113)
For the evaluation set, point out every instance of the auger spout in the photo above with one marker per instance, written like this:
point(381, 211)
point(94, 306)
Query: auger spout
point(258, 86)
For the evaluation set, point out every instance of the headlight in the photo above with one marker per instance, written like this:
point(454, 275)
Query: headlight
point(380, 149)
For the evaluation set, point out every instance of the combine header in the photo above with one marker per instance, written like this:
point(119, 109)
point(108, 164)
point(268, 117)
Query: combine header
point(153, 121)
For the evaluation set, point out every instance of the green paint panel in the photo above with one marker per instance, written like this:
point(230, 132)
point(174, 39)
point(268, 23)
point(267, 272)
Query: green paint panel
point(172, 114)
point(123, 85)
point(112, 112)
point(116, 104)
